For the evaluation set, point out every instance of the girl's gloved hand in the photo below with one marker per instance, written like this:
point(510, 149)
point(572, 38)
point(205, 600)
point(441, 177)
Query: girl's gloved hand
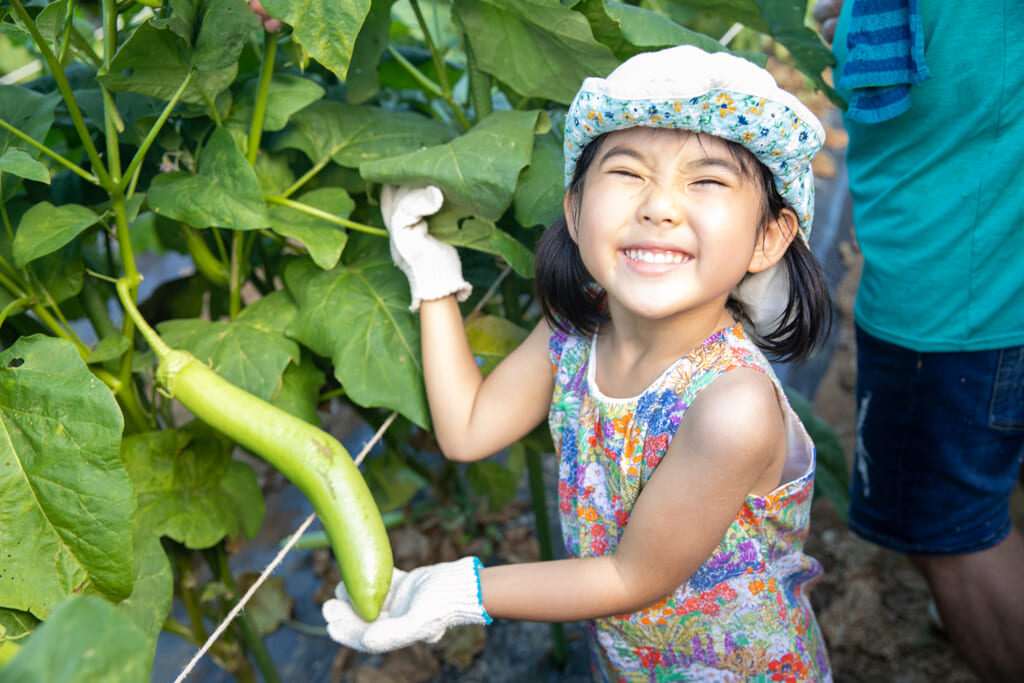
point(432, 267)
point(421, 606)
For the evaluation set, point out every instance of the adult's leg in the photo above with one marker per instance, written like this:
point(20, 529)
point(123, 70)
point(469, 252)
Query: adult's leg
point(940, 446)
point(980, 597)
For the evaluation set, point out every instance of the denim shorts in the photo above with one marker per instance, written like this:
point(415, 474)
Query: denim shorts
point(940, 440)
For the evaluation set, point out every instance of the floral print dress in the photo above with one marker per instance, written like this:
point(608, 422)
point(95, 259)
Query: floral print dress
point(745, 614)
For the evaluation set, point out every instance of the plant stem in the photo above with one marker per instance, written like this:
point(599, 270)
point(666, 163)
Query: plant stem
point(319, 213)
point(479, 81)
point(434, 88)
point(70, 165)
point(538, 498)
point(235, 291)
point(253, 642)
point(259, 109)
point(140, 153)
point(65, 90)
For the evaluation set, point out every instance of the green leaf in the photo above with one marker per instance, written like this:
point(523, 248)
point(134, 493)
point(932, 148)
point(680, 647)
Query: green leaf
point(647, 29)
point(326, 28)
point(358, 316)
point(831, 478)
point(250, 352)
point(538, 198)
point(492, 338)
point(224, 193)
point(323, 239)
point(516, 255)
point(15, 625)
point(69, 500)
point(85, 640)
point(478, 170)
point(299, 393)
point(493, 480)
point(351, 135)
point(45, 228)
point(288, 94)
point(150, 601)
point(553, 46)
point(458, 226)
point(188, 486)
point(392, 481)
point(109, 348)
point(19, 163)
point(216, 29)
point(155, 62)
point(270, 606)
point(28, 111)
point(363, 81)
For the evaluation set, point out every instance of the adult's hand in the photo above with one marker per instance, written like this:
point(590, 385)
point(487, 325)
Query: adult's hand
point(269, 23)
point(826, 13)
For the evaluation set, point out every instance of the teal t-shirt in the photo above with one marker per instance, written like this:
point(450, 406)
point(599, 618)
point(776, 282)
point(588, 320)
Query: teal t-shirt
point(938, 192)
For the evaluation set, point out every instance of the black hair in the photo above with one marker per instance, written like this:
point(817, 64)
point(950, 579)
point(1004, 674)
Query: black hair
point(570, 301)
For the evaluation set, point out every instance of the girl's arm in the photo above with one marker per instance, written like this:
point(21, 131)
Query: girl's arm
point(730, 444)
point(474, 416)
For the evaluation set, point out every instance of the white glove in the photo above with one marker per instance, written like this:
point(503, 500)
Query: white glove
point(420, 606)
point(432, 267)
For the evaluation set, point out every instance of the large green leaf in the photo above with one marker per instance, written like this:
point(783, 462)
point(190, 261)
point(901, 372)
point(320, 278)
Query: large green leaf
point(538, 47)
point(288, 94)
point(18, 162)
point(224, 192)
point(351, 135)
point(86, 640)
point(326, 28)
point(478, 170)
point(538, 199)
point(322, 238)
point(150, 601)
point(215, 29)
point(492, 338)
point(189, 488)
point(30, 112)
point(362, 81)
point(300, 390)
point(251, 351)
point(155, 62)
point(45, 228)
point(67, 503)
point(358, 316)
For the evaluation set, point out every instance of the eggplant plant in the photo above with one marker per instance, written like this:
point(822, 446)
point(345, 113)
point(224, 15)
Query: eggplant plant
point(183, 132)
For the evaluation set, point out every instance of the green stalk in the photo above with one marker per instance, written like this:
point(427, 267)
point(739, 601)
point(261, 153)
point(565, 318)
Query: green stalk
point(319, 213)
point(154, 131)
point(259, 110)
point(235, 275)
point(65, 39)
point(432, 87)
point(252, 640)
point(208, 265)
point(12, 307)
point(70, 165)
point(65, 90)
point(479, 81)
point(538, 498)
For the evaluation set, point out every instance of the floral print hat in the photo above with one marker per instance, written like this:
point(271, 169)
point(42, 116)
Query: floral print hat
point(719, 94)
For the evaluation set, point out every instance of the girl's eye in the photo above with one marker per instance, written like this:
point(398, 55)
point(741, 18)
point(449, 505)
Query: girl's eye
point(626, 173)
point(709, 182)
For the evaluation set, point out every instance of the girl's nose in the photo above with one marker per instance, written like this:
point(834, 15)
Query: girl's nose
point(661, 207)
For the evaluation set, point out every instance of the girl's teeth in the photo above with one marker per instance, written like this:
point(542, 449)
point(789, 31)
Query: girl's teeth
point(654, 257)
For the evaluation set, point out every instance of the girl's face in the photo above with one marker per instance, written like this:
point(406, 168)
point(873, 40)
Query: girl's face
point(668, 222)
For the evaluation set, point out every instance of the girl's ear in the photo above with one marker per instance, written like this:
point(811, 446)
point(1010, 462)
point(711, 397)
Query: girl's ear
point(568, 213)
point(774, 240)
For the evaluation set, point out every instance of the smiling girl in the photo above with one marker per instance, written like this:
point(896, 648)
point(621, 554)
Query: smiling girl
point(685, 478)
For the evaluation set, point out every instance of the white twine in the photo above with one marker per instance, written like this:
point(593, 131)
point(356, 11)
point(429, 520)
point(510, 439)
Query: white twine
point(273, 563)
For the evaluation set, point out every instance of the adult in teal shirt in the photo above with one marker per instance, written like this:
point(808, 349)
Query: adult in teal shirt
point(938, 207)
